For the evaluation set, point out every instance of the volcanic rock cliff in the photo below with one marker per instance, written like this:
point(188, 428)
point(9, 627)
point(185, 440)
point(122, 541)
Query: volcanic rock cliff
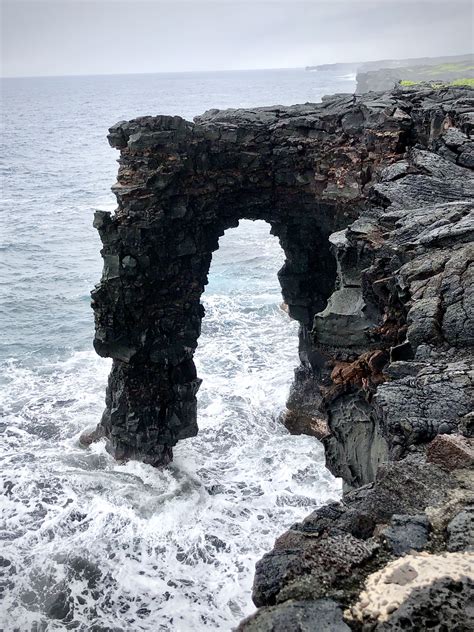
point(387, 78)
point(372, 199)
point(396, 394)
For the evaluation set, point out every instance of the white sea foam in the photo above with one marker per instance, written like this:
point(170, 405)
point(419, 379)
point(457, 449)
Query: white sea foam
point(350, 77)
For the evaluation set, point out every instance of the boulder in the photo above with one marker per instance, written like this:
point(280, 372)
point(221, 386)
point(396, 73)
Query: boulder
point(451, 451)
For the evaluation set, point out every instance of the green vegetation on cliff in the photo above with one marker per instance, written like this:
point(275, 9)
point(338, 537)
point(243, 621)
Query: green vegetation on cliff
point(444, 68)
point(439, 74)
point(465, 81)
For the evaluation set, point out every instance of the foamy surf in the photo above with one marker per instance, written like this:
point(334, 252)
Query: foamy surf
point(132, 547)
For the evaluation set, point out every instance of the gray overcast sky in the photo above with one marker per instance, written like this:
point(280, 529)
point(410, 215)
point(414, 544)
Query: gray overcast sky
point(64, 37)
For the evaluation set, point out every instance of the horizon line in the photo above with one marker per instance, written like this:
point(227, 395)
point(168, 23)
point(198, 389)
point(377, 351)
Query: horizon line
point(157, 72)
point(176, 72)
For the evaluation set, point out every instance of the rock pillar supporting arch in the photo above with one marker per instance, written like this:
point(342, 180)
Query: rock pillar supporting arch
point(303, 169)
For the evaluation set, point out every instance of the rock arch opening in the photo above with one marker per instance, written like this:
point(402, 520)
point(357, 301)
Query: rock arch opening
point(248, 346)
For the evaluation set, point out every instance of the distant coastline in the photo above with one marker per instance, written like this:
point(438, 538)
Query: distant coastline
point(366, 66)
point(376, 76)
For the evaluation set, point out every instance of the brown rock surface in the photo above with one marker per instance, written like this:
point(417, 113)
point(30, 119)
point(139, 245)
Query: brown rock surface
point(451, 451)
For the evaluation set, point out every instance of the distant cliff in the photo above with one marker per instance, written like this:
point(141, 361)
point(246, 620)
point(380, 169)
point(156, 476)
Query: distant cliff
point(384, 74)
point(368, 66)
point(386, 78)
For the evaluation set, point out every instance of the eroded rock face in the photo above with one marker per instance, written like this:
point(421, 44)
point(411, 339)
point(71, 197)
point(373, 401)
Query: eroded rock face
point(397, 397)
point(417, 285)
point(180, 186)
point(308, 170)
point(358, 554)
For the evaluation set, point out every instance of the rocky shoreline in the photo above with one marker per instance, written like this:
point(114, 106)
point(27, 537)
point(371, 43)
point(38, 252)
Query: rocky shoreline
point(398, 552)
point(371, 197)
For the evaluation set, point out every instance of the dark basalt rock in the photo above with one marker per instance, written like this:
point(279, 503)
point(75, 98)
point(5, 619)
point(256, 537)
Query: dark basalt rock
point(309, 170)
point(332, 551)
point(410, 256)
point(407, 533)
point(322, 615)
point(461, 531)
point(371, 197)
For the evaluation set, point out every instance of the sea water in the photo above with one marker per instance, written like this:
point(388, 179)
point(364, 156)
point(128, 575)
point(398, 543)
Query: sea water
point(86, 543)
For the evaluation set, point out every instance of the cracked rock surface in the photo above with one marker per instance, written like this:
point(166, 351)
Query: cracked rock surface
point(396, 379)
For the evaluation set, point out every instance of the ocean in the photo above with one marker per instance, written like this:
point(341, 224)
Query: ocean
point(87, 543)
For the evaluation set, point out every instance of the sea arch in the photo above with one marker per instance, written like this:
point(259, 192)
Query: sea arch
point(181, 185)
